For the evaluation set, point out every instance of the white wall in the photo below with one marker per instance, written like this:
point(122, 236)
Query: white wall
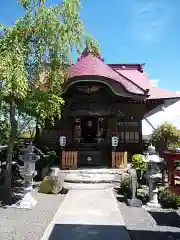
point(170, 114)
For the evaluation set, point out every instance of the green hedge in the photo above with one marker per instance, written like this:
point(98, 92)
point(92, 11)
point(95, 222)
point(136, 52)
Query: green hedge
point(168, 199)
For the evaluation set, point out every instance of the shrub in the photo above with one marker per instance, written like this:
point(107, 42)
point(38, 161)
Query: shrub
point(137, 162)
point(52, 158)
point(166, 137)
point(169, 199)
point(178, 164)
point(143, 194)
point(125, 186)
point(139, 165)
point(48, 159)
point(172, 146)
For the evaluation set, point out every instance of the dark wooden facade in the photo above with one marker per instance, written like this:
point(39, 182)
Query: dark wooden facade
point(109, 114)
point(103, 100)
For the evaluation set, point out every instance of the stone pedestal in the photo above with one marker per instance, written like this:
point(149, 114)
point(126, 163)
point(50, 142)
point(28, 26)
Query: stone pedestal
point(27, 202)
point(153, 195)
point(134, 202)
point(29, 158)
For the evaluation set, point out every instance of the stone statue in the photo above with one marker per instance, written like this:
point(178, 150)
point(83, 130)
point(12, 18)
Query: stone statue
point(133, 182)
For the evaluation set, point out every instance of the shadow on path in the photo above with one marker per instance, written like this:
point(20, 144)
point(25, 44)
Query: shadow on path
point(88, 232)
point(155, 235)
point(171, 219)
point(101, 232)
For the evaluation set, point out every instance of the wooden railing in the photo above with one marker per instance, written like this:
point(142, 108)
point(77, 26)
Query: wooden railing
point(119, 159)
point(69, 160)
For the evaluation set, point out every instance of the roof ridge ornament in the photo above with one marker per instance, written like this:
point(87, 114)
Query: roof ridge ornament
point(87, 52)
point(141, 68)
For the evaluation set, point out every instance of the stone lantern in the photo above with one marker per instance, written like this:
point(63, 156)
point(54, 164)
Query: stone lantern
point(29, 158)
point(154, 175)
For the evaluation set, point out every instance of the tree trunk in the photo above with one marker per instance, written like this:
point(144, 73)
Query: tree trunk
point(37, 131)
point(9, 156)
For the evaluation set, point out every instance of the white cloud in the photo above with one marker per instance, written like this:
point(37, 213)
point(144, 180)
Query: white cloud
point(170, 114)
point(154, 82)
point(151, 19)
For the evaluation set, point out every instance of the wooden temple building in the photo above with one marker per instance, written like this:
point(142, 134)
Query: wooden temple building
point(104, 100)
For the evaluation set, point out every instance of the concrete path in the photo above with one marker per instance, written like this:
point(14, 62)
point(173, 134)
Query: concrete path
point(87, 214)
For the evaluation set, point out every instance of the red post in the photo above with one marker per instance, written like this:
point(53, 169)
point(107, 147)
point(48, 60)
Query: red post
point(171, 159)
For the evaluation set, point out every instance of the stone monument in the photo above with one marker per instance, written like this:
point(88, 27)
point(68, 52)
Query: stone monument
point(134, 202)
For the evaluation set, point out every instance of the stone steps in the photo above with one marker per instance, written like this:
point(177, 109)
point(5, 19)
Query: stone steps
point(91, 178)
point(87, 186)
point(95, 170)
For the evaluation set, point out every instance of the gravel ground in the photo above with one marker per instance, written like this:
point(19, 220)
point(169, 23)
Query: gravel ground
point(154, 225)
point(16, 224)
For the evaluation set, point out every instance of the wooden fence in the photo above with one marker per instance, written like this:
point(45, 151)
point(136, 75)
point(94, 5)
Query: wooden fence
point(69, 160)
point(119, 159)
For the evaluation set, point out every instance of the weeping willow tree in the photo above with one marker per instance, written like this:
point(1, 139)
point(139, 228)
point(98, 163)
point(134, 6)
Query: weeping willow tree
point(35, 54)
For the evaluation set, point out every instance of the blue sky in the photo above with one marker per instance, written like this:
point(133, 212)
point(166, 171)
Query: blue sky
point(132, 31)
point(138, 31)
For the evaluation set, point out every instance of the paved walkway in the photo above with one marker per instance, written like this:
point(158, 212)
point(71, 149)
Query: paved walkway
point(87, 214)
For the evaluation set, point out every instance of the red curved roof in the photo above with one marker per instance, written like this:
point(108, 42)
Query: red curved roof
point(157, 93)
point(90, 65)
point(130, 76)
point(139, 78)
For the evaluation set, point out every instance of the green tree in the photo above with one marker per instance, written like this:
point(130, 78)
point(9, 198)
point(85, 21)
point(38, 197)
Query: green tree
point(4, 132)
point(4, 124)
point(166, 137)
point(35, 54)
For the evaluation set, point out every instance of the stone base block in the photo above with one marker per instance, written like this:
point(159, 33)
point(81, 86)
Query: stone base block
point(134, 202)
point(153, 205)
point(27, 202)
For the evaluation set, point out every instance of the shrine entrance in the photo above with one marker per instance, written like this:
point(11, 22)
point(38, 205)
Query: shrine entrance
point(90, 136)
point(89, 129)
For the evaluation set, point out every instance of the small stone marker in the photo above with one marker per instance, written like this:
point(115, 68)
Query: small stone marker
point(57, 180)
point(134, 202)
